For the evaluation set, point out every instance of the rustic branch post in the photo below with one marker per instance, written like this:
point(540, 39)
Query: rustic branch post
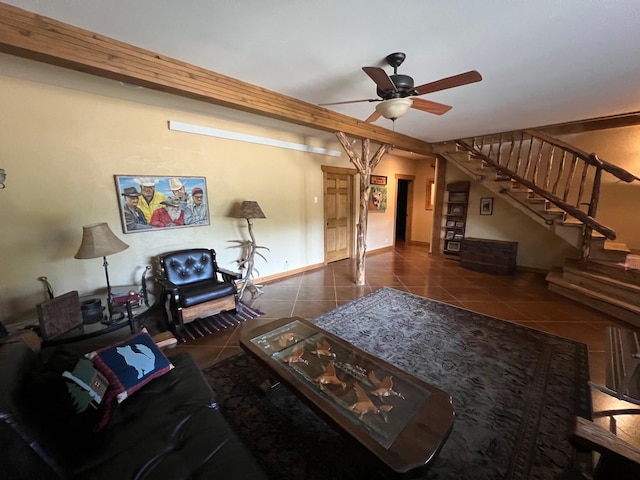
point(365, 166)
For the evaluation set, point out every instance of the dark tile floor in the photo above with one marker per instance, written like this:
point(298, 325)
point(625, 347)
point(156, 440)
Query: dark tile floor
point(522, 298)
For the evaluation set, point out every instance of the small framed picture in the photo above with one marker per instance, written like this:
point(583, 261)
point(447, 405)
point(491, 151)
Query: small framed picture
point(458, 236)
point(377, 180)
point(486, 206)
point(449, 235)
point(459, 225)
point(453, 246)
point(451, 223)
point(456, 209)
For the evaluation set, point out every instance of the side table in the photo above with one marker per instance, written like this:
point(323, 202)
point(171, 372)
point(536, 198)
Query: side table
point(125, 313)
point(130, 315)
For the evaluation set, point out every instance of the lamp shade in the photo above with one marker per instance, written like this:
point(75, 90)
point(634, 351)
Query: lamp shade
point(249, 209)
point(99, 241)
point(394, 107)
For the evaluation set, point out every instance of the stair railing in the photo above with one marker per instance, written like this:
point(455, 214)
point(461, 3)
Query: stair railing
point(552, 169)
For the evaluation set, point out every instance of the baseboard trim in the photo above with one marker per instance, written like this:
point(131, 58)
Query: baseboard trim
point(308, 268)
point(419, 244)
point(288, 273)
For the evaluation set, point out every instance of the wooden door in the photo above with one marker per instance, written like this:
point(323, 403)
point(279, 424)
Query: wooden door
point(338, 213)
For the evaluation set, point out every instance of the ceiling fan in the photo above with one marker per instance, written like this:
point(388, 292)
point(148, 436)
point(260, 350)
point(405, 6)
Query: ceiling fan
point(397, 93)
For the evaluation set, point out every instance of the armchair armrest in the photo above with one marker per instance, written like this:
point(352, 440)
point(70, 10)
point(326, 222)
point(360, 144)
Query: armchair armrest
point(618, 459)
point(167, 285)
point(228, 275)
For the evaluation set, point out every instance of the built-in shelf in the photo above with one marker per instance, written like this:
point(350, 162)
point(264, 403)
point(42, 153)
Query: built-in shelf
point(455, 218)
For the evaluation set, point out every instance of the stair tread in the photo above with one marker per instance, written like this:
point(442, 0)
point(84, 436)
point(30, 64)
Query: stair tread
point(601, 277)
point(617, 270)
point(556, 277)
point(610, 245)
point(632, 262)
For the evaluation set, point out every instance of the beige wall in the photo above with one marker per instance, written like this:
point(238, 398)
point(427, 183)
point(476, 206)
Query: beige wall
point(61, 148)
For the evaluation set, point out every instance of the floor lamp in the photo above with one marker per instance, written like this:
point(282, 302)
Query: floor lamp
point(99, 241)
point(249, 210)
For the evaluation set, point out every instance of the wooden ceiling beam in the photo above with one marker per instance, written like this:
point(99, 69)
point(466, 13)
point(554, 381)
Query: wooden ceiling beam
point(630, 119)
point(34, 37)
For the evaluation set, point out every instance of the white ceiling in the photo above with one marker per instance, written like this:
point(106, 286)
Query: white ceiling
point(543, 62)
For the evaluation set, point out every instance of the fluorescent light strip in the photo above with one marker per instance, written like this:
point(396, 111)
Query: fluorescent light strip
point(241, 137)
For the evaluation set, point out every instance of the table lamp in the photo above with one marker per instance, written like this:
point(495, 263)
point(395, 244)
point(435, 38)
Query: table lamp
point(99, 241)
point(249, 210)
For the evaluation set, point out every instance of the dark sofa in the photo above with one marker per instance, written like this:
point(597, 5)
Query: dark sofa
point(169, 429)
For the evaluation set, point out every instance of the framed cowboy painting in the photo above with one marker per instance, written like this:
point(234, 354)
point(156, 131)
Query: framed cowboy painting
point(152, 203)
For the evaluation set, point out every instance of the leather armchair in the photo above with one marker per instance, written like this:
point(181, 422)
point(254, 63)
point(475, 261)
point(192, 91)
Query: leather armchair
point(193, 286)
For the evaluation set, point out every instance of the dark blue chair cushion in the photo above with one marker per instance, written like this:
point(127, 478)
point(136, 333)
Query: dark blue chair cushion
point(200, 292)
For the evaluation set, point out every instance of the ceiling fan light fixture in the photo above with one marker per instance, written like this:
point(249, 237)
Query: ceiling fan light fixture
point(394, 108)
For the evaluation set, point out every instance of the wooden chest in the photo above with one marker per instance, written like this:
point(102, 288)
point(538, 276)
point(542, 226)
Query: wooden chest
point(490, 256)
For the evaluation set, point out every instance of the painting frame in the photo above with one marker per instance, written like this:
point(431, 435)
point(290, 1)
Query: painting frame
point(378, 199)
point(456, 209)
point(486, 206)
point(453, 246)
point(177, 201)
point(377, 180)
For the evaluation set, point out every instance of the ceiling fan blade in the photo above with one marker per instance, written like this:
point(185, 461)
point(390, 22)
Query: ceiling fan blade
point(449, 82)
point(429, 106)
point(380, 77)
point(350, 101)
point(373, 117)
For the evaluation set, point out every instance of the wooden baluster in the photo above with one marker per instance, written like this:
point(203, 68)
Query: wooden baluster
point(511, 147)
point(529, 158)
point(534, 176)
point(593, 208)
point(583, 181)
point(595, 191)
point(499, 150)
point(569, 182)
point(547, 174)
point(519, 150)
point(560, 172)
point(523, 174)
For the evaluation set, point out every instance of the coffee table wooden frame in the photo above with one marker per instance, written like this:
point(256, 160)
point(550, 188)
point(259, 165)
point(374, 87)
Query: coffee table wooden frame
point(415, 446)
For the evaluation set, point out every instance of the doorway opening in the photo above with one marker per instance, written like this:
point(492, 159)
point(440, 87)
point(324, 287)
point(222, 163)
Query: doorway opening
point(404, 203)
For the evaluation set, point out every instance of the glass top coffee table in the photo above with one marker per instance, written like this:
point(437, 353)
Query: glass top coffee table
point(398, 417)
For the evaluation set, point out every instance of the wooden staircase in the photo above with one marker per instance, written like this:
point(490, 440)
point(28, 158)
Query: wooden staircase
point(558, 186)
point(612, 288)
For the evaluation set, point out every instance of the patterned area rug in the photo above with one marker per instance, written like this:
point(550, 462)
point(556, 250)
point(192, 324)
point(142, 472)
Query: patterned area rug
point(514, 390)
point(206, 326)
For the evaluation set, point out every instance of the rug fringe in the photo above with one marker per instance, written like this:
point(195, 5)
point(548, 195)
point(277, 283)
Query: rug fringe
point(216, 323)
